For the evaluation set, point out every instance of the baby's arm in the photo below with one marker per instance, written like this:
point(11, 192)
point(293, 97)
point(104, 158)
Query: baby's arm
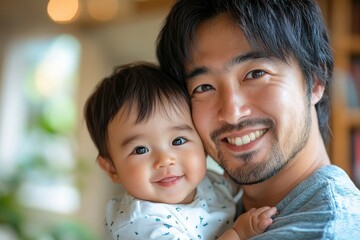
point(251, 223)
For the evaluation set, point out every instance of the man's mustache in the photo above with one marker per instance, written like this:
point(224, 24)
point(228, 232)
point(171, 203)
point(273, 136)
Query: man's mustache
point(268, 123)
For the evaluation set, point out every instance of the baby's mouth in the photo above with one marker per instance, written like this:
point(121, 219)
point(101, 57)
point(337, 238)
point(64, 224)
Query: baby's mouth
point(169, 181)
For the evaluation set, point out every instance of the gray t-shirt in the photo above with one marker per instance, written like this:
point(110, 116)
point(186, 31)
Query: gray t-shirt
point(324, 206)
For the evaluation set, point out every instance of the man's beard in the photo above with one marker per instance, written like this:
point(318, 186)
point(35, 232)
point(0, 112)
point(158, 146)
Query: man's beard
point(252, 173)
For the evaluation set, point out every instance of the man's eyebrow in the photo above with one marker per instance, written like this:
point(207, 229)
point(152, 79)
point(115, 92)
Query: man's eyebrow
point(245, 57)
point(196, 72)
point(236, 60)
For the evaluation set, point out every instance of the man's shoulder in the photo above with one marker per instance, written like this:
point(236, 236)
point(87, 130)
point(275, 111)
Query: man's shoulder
point(324, 206)
point(333, 182)
point(327, 189)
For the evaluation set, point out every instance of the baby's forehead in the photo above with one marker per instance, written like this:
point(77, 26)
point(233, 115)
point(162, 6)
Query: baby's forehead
point(138, 112)
point(181, 108)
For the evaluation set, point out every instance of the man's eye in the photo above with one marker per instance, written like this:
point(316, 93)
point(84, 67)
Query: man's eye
point(203, 88)
point(179, 141)
point(140, 150)
point(255, 74)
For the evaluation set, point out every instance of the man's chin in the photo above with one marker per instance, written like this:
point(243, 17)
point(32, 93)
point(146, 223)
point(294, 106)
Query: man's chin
point(249, 174)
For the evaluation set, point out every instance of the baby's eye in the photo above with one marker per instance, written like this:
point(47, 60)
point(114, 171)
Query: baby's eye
point(203, 88)
point(179, 141)
point(140, 150)
point(255, 74)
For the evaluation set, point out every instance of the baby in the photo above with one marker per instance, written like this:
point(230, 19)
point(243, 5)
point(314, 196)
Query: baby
point(141, 124)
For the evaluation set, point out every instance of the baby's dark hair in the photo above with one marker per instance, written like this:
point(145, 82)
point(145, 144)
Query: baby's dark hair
point(140, 83)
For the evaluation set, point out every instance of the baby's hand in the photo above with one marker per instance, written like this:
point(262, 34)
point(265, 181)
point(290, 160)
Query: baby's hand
point(254, 222)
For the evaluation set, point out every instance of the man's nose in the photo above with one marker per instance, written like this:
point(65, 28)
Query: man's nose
point(232, 105)
point(164, 159)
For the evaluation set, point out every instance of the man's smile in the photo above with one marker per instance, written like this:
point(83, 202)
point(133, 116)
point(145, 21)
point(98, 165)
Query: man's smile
point(239, 141)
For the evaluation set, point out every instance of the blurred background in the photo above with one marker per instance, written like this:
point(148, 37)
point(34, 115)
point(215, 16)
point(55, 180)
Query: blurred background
point(52, 54)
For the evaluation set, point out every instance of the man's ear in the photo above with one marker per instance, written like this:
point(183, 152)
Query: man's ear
point(109, 168)
point(317, 91)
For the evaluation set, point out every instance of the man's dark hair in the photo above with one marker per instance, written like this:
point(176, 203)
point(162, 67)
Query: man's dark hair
point(141, 85)
point(277, 28)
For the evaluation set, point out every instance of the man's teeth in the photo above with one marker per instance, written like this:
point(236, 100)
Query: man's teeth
point(239, 141)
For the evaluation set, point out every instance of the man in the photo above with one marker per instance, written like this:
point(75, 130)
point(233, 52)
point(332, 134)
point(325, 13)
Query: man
point(258, 75)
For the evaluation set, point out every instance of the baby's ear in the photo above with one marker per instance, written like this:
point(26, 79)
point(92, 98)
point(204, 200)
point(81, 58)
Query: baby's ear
point(109, 168)
point(317, 91)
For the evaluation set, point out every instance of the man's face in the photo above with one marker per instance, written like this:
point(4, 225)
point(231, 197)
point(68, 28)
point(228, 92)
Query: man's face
point(251, 111)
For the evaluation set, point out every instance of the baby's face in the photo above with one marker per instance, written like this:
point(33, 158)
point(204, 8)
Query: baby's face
point(161, 159)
